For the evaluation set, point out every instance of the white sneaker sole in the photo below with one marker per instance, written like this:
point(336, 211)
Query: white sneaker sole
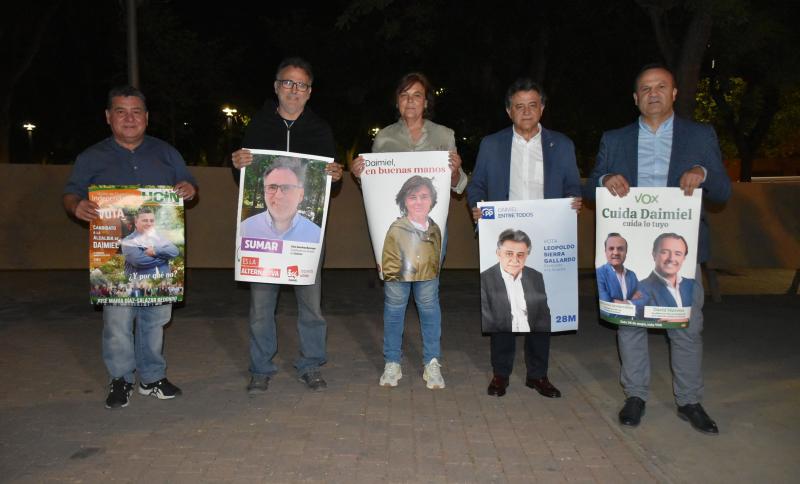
point(390, 383)
point(432, 386)
point(156, 392)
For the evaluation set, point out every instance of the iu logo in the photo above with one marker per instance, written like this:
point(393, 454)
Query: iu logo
point(487, 212)
point(292, 272)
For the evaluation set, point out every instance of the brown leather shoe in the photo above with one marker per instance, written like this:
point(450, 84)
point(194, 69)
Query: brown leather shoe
point(543, 386)
point(498, 386)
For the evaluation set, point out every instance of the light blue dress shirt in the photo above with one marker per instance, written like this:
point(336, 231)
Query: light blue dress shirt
point(654, 150)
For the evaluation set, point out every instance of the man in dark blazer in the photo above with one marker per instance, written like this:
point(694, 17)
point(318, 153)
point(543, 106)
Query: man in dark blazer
point(524, 162)
point(662, 149)
point(502, 283)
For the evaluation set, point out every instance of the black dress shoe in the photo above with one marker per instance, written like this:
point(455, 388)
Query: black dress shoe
point(498, 386)
point(632, 411)
point(698, 417)
point(543, 386)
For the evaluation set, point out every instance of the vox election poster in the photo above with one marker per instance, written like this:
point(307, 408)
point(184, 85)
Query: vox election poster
point(529, 265)
point(646, 256)
point(407, 197)
point(282, 211)
point(136, 246)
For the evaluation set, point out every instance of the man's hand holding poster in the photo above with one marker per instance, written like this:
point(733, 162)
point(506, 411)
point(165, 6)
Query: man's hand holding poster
point(136, 247)
point(529, 266)
point(407, 197)
point(283, 208)
point(646, 256)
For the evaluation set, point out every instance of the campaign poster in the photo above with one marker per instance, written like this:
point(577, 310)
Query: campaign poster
point(407, 197)
point(646, 256)
point(283, 208)
point(529, 266)
point(136, 246)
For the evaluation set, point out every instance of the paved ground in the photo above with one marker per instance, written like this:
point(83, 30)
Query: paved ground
point(53, 426)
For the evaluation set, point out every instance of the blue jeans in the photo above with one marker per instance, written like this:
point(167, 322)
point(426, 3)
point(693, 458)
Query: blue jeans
point(124, 352)
point(426, 296)
point(311, 327)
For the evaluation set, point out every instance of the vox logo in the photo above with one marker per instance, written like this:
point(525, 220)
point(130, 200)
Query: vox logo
point(646, 198)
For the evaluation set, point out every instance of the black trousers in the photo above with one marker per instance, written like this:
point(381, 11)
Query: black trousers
point(537, 353)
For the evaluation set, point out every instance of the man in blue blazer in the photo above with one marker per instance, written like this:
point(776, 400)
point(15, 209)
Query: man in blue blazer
point(612, 274)
point(665, 286)
point(524, 162)
point(662, 149)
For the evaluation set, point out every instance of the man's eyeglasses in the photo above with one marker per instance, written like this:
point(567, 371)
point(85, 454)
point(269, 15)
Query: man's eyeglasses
point(290, 84)
point(273, 188)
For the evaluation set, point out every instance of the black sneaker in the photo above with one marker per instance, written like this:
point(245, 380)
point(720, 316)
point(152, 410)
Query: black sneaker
point(161, 389)
point(258, 384)
point(313, 380)
point(119, 391)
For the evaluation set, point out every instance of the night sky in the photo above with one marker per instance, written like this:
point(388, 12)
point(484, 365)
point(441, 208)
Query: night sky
point(195, 60)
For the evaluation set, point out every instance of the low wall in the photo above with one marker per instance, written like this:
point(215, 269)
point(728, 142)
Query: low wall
point(759, 227)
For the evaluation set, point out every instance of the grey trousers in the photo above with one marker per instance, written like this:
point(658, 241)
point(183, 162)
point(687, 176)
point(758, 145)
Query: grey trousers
point(686, 355)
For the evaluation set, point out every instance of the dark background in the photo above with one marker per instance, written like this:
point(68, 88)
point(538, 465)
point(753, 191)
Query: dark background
point(194, 60)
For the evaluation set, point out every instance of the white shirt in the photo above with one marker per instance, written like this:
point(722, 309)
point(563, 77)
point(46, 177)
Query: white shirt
point(527, 168)
point(674, 290)
point(516, 297)
point(621, 279)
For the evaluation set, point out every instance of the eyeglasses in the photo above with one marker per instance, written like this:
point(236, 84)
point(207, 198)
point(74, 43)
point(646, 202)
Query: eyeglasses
point(290, 84)
point(273, 188)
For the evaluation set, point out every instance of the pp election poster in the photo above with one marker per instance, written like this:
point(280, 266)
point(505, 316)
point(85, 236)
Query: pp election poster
point(646, 256)
point(283, 208)
point(529, 266)
point(136, 247)
point(407, 197)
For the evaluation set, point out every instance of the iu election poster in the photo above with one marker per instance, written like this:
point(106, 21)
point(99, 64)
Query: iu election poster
point(407, 197)
point(646, 256)
point(137, 246)
point(529, 266)
point(283, 207)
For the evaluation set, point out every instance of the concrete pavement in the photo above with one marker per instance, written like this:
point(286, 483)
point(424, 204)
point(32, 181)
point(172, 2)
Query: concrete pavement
point(55, 428)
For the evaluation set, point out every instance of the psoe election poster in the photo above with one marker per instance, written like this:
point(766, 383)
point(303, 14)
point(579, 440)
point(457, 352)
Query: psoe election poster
point(136, 246)
point(529, 266)
point(283, 208)
point(406, 197)
point(646, 256)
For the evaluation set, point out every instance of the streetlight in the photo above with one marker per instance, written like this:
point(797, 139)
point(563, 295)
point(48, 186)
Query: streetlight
point(29, 127)
point(229, 113)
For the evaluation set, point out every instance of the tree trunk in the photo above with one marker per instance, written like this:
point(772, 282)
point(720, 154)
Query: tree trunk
point(687, 69)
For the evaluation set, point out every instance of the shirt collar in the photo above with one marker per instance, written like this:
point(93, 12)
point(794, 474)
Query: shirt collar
point(295, 219)
point(509, 277)
point(520, 139)
point(666, 282)
point(667, 124)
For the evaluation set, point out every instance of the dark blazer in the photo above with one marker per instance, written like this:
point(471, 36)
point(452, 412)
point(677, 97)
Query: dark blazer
point(656, 294)
point(496, 307)
point(608, 285)
point(492, 173)
point(692, 144)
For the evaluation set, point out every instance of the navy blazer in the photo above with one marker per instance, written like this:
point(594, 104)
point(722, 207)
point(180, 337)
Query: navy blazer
point(608, 285)
point(492, 173)
point(656, 294)
point(692, 144)
point(496, 308)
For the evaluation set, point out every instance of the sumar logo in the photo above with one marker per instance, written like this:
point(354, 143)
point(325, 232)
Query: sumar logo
point(646, 198)
point(487, 212)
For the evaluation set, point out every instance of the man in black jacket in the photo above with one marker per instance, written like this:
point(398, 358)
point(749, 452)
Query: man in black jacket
point(288, 126)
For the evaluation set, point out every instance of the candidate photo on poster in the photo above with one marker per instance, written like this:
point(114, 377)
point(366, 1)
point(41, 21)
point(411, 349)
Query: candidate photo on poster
point(413, 244)
point(513, 295)
point(286, 200)
point(665, 287)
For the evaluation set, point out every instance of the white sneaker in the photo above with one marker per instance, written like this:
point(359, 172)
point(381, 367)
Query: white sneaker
point(433, 375)
point(392, 373)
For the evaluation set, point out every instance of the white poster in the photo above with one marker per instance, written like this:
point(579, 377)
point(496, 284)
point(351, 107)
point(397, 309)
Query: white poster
point(646, 255)
point(529, 266)
point(283, 208)
point(407, 197)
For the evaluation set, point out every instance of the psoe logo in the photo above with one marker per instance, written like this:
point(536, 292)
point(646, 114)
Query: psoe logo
point(646, 198)
point(487, 212)
point(292, 272)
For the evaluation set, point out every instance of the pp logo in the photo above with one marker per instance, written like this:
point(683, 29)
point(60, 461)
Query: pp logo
point(292, 272)
point(487, 212)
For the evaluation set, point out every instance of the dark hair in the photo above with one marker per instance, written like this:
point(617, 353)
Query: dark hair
point(299, 63)
point(409, 80)
point(143, 210)
point(647, 67)
point(514, 236)
point(669, 235)
point(286, 163)
point(125, 91)
point(411, 185)
point(614, 234)
point(524, 84)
